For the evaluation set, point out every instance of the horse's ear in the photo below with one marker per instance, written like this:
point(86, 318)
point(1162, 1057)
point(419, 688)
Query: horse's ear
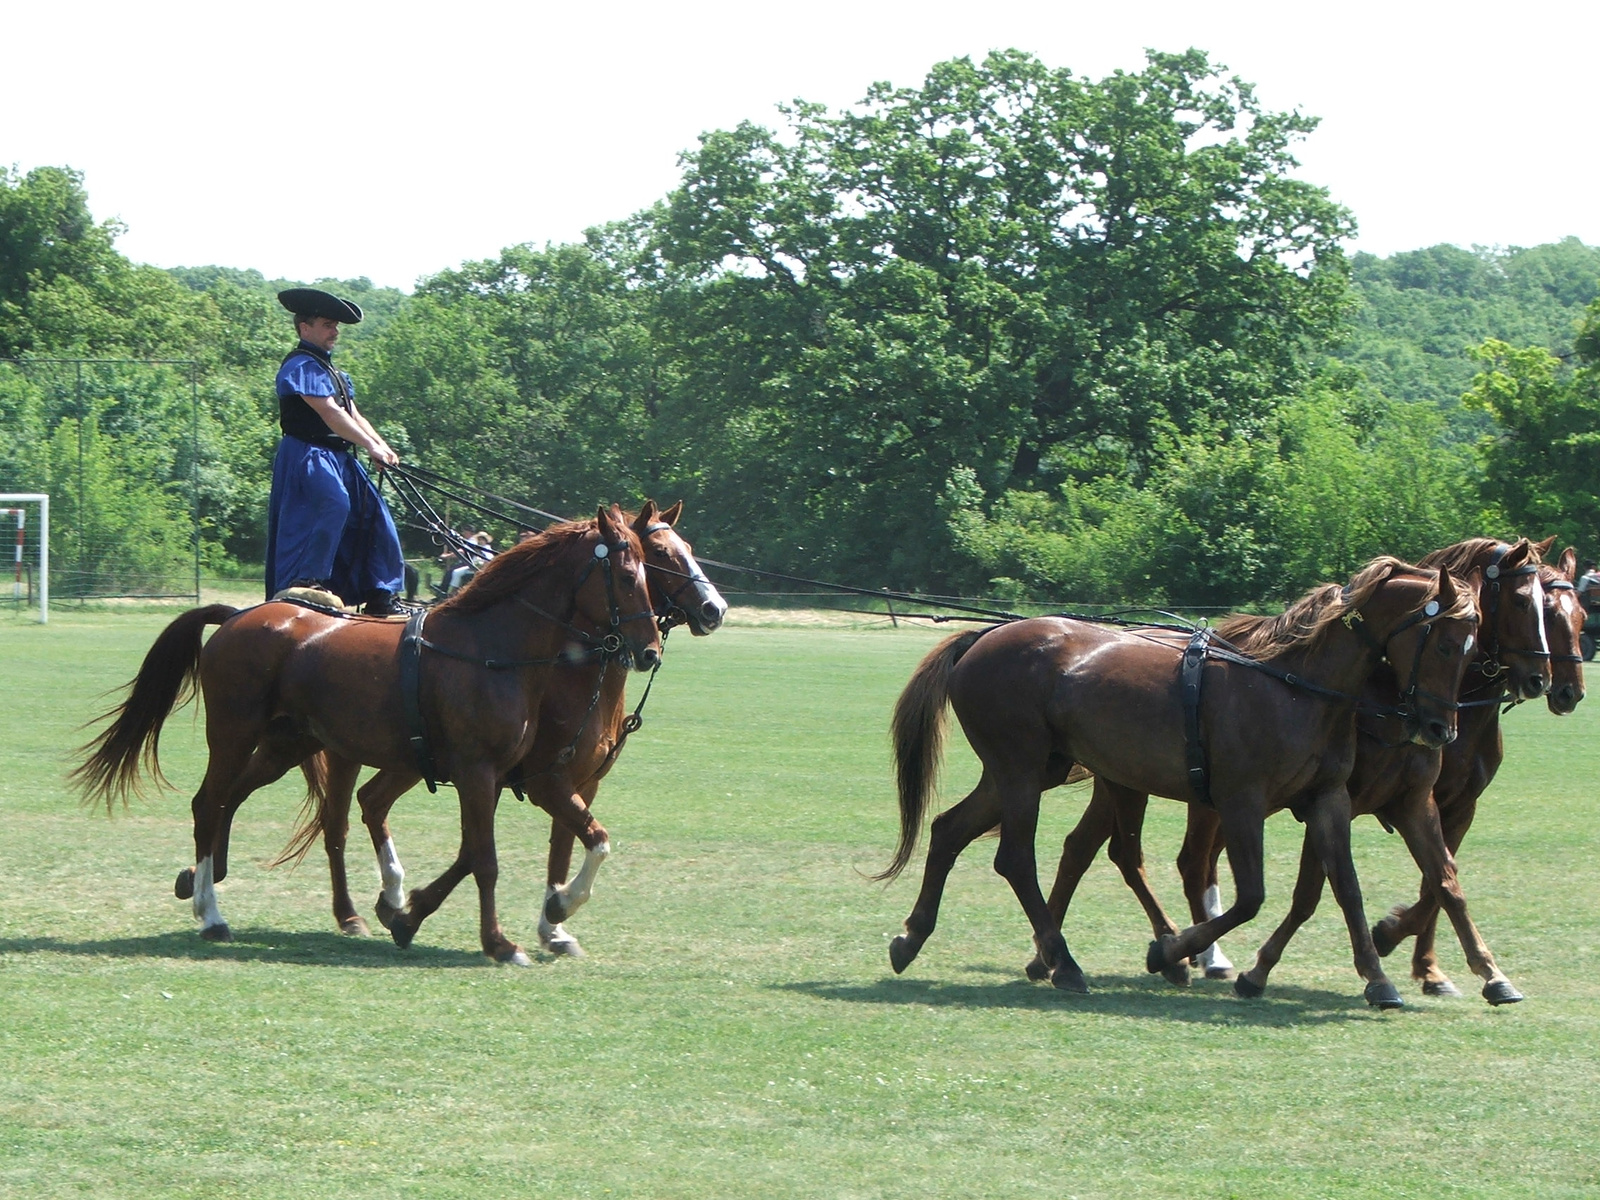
point(1543, 548)
point(1517, 555)
point(671, 515)
point(607, 522)
point(1447, 590)
point(646, 518)
point(1568, 566)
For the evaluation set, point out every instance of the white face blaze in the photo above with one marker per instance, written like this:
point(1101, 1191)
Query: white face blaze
point(1538, 607)
point(696, 594)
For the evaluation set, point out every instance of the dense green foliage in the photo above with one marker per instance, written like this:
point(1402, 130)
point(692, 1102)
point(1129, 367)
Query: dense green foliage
point(736, 1030)
point(1010, 330)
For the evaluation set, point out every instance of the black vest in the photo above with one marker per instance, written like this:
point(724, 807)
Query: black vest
point(298, 419)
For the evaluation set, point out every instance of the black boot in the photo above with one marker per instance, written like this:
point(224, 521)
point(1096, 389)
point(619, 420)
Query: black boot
point(381, 604)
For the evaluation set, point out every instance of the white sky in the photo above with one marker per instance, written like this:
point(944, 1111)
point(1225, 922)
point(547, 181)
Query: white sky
point(392, 140)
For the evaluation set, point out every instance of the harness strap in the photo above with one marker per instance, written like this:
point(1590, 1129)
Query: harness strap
point(411, 643)
point(1191, 675)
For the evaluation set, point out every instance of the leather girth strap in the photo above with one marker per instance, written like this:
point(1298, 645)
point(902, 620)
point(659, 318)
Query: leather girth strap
point(411, 698)
point(1191, 675)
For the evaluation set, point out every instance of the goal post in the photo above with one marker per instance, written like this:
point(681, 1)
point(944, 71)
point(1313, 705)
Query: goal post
point(14, 512)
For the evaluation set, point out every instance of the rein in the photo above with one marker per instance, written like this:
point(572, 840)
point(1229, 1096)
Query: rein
point(1204, 644)
point(607, 647)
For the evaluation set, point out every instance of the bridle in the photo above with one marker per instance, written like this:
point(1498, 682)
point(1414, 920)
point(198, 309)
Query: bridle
point(669, 611)
point(1424, 616)
point(1560, 585)
point(610, 644)
point(1489, 664)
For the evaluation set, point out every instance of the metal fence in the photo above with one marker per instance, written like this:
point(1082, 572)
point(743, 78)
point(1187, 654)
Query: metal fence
point(115, 444)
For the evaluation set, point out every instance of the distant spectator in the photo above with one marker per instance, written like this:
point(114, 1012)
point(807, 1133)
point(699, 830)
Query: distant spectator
point(1589, 586)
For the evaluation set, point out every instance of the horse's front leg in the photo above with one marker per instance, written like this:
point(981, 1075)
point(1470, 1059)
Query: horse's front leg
point(377, 797)
point(1418, 824)
point(1307, 893)
point(570, 811)
point(1197, 866)
point(1328, 827)
point(558, 865)
point(1241, 816)
point(479, 793)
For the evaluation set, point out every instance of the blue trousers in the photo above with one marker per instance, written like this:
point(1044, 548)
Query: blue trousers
point(326, 521)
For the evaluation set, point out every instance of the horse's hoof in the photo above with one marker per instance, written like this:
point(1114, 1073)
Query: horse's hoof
point(354, 927)
point(1177, 974)
point(1439, 987)
point(1155, 959)
point(217, 933)
point(1067, 977)
point(512, 956)
point(901, 953)
point(1036, 970)
point(1244, 986)
point(1383, 936)
point(183, 889)
point(1380, 993)
point(555, 908)
point(1219, 972)
point(401, 930)
point(1500, 991)
point(385, 911)
point(559, 942)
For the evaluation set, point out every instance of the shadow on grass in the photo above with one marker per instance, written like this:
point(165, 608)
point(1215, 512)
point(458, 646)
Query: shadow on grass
point(1210, 1002)
point(256, 945)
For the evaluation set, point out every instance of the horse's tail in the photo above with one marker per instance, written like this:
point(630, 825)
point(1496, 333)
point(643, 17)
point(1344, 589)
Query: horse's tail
point(918, 733)
point(164, 682)
point(313, 812)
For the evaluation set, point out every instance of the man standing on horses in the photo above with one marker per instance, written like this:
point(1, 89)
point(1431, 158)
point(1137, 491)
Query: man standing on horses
point(327, 527)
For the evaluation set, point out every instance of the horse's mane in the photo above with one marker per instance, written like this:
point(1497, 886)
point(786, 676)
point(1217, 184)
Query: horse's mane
point(1460, 558)
point(508, 572)
point(1309, 617)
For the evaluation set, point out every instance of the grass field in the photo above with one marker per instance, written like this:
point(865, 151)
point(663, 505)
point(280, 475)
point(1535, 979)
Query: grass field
point(736, 1030)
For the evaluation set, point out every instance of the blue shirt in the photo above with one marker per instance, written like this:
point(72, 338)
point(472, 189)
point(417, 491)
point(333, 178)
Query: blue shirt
point(304, 374)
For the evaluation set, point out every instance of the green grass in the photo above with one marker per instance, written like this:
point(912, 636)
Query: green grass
point(736, 1030)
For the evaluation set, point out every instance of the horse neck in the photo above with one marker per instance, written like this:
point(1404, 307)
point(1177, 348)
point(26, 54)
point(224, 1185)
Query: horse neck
point(512, 629)
point(1340, 658)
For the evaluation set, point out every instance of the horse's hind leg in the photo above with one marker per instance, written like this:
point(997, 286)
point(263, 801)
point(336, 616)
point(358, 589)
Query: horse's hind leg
point(233, 777)
point(952, 832)
point(337, 787)
point(1095, 827)
point(1015, 861)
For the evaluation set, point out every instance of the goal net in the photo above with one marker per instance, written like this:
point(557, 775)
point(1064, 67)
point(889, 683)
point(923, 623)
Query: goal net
point(25, 530)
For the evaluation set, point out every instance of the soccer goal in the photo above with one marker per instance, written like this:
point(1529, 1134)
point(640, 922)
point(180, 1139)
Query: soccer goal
point(29, 514)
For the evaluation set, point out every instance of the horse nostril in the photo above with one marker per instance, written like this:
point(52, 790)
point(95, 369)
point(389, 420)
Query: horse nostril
point(648, 658)
point(711, 613)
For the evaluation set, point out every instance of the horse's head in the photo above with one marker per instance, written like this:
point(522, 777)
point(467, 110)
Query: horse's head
point(613, 594)
point(1426, 625)
point(680, 593)
point(1511, 599)
point(1563, 625)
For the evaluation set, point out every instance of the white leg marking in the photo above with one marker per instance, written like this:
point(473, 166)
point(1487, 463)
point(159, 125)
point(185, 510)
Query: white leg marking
point(1212, 958)
point(392, 873)
point(205, 896)
point(554, 938)
point(576, 891)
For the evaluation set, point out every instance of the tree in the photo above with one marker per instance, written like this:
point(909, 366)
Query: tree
point(1541, 465)
point(1010, 270)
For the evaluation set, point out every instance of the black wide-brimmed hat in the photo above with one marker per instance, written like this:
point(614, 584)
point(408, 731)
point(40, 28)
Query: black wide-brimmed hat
point(314, 302)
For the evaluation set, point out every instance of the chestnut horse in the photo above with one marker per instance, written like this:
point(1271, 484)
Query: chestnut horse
point(1038, 697)
point(582, 728)
point(282, 682)
point(1391, 779)
point(1471, 762)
